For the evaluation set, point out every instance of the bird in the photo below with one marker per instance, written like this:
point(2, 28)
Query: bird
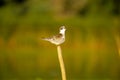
point(59, 38)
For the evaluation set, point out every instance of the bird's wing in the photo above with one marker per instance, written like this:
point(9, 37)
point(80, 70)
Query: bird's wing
point(57, 36)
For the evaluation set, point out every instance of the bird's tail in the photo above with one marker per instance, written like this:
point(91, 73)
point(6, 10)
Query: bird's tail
point(46, 39)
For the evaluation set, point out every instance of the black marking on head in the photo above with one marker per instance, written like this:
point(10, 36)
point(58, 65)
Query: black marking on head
point(61, 28)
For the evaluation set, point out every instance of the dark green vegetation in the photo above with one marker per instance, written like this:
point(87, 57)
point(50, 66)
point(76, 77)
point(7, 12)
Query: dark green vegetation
point(91, 50)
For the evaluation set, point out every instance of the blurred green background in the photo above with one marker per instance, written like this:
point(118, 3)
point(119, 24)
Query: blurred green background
point(91, 50)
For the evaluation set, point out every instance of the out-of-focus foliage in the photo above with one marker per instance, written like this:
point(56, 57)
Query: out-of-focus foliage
point(91, 50)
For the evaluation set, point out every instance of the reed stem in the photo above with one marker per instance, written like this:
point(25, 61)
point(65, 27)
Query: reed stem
point(118, 43)
point(61, 62)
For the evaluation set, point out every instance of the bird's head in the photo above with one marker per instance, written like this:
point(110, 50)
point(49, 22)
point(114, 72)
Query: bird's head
point(62, 29)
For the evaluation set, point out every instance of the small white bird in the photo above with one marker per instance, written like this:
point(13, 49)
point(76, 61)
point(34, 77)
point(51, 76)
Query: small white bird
point(59, 38)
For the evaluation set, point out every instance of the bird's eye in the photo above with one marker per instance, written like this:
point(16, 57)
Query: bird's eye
point(61, 28)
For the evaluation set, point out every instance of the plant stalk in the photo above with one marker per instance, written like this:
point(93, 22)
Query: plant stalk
point(61, 62)
point(118, 43)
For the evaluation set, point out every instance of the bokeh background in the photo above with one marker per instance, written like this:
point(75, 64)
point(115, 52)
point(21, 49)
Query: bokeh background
point(91, 50)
